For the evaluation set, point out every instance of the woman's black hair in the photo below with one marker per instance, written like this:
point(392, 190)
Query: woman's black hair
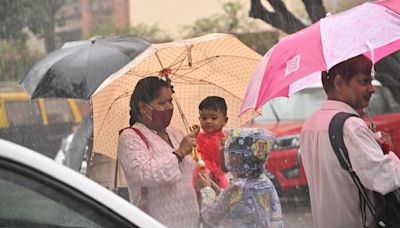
point(146, 90)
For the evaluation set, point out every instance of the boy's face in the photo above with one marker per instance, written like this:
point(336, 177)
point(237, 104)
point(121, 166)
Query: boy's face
point(212, 121)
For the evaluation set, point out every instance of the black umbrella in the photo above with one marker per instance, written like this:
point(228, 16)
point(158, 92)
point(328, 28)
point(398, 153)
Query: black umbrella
point(79, 67)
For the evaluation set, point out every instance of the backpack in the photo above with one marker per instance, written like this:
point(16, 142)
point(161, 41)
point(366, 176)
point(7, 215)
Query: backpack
point(387, 211)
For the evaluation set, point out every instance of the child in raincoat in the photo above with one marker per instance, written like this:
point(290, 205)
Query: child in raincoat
point(251, 199)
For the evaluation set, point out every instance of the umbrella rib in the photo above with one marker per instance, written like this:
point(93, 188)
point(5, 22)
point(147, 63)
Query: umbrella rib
point(159, 61)
point(175, 61)
point(181, 62)
point(109, 109)
point(206, 61)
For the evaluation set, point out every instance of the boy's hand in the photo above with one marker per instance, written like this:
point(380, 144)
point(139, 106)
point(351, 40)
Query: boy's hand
point(202, 180)
point(221, 154)
point(195, 128)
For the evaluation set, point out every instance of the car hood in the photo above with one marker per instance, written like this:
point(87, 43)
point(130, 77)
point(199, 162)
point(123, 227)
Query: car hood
point(40, 163)
point(281, 128)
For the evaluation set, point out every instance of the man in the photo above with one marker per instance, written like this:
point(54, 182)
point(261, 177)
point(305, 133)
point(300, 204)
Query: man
point(81, 143)
point(334, 196)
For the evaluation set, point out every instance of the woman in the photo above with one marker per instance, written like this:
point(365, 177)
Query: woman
point(153, 156)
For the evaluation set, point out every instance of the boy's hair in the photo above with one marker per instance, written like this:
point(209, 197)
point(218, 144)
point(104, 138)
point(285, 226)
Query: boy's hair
point(347, 69)
point(214, 103)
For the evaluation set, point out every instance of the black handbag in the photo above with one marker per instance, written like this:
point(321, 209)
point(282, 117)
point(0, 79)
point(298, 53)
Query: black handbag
point(387, 211)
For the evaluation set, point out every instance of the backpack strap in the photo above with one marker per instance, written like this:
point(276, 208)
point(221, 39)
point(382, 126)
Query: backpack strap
point(336, 139)
point(337, 142)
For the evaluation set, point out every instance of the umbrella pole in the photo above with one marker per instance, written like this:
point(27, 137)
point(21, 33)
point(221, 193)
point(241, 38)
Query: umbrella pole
point(196, 156)
point(185, 122)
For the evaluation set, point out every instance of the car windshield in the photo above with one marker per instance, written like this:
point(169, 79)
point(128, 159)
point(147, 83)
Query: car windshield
point(302, 104)
point(297, 107)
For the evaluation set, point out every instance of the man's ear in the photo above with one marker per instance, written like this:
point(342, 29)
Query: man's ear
point(338, 82)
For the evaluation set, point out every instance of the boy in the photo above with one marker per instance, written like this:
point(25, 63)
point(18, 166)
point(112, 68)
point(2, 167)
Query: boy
point(250, 199)
point(213, 117)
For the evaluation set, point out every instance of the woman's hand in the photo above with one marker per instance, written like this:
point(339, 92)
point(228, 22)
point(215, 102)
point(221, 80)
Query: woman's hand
point(188, 142)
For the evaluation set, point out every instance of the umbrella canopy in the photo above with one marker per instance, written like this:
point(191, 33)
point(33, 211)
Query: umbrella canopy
point(79, 67)
point(297, 60)
point(214, 64)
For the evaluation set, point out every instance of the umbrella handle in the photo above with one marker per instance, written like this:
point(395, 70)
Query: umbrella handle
point(197, 157)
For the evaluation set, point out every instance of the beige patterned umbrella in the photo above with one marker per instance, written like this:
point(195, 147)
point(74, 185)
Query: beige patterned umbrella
point(210, 65)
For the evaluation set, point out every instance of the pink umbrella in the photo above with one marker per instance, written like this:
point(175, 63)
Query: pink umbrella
point(297, 60)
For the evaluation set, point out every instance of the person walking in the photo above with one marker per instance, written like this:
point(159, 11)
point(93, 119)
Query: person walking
point(334, 198)
point(153, 157)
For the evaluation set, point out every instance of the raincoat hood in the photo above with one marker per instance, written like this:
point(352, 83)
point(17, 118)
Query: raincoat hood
point(246, 151)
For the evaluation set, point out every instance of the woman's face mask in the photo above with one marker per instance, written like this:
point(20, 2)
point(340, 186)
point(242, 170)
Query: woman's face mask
point(161, 119)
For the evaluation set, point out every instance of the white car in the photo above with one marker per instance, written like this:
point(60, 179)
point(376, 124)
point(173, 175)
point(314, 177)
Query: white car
point(35, 191)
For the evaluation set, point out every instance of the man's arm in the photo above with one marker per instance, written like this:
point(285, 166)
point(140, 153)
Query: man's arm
point(377, 171)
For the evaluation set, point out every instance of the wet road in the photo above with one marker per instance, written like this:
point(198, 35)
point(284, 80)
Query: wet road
point(297, 217)
point(296, 214)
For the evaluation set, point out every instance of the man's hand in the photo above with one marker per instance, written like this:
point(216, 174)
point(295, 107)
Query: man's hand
point(386, 137)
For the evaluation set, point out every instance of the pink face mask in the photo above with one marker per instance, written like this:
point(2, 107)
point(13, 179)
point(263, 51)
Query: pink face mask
point(162, 119)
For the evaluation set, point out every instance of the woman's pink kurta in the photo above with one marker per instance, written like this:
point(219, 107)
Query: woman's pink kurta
point(171, 198)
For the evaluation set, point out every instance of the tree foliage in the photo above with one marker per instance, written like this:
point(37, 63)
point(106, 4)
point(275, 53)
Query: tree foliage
point(15, 59)
point(13, 18)
point(17, 18)
point(38, 16)
point(232, 20)
point(152, 33)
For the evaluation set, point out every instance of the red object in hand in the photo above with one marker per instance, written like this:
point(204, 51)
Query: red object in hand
point(386, 147)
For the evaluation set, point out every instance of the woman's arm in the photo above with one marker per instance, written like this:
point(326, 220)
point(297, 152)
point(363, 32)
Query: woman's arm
point(141, 166)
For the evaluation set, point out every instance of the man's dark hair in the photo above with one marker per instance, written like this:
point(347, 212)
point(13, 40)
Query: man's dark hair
point(213, 103)
point(146, 90)
point(347, 69)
